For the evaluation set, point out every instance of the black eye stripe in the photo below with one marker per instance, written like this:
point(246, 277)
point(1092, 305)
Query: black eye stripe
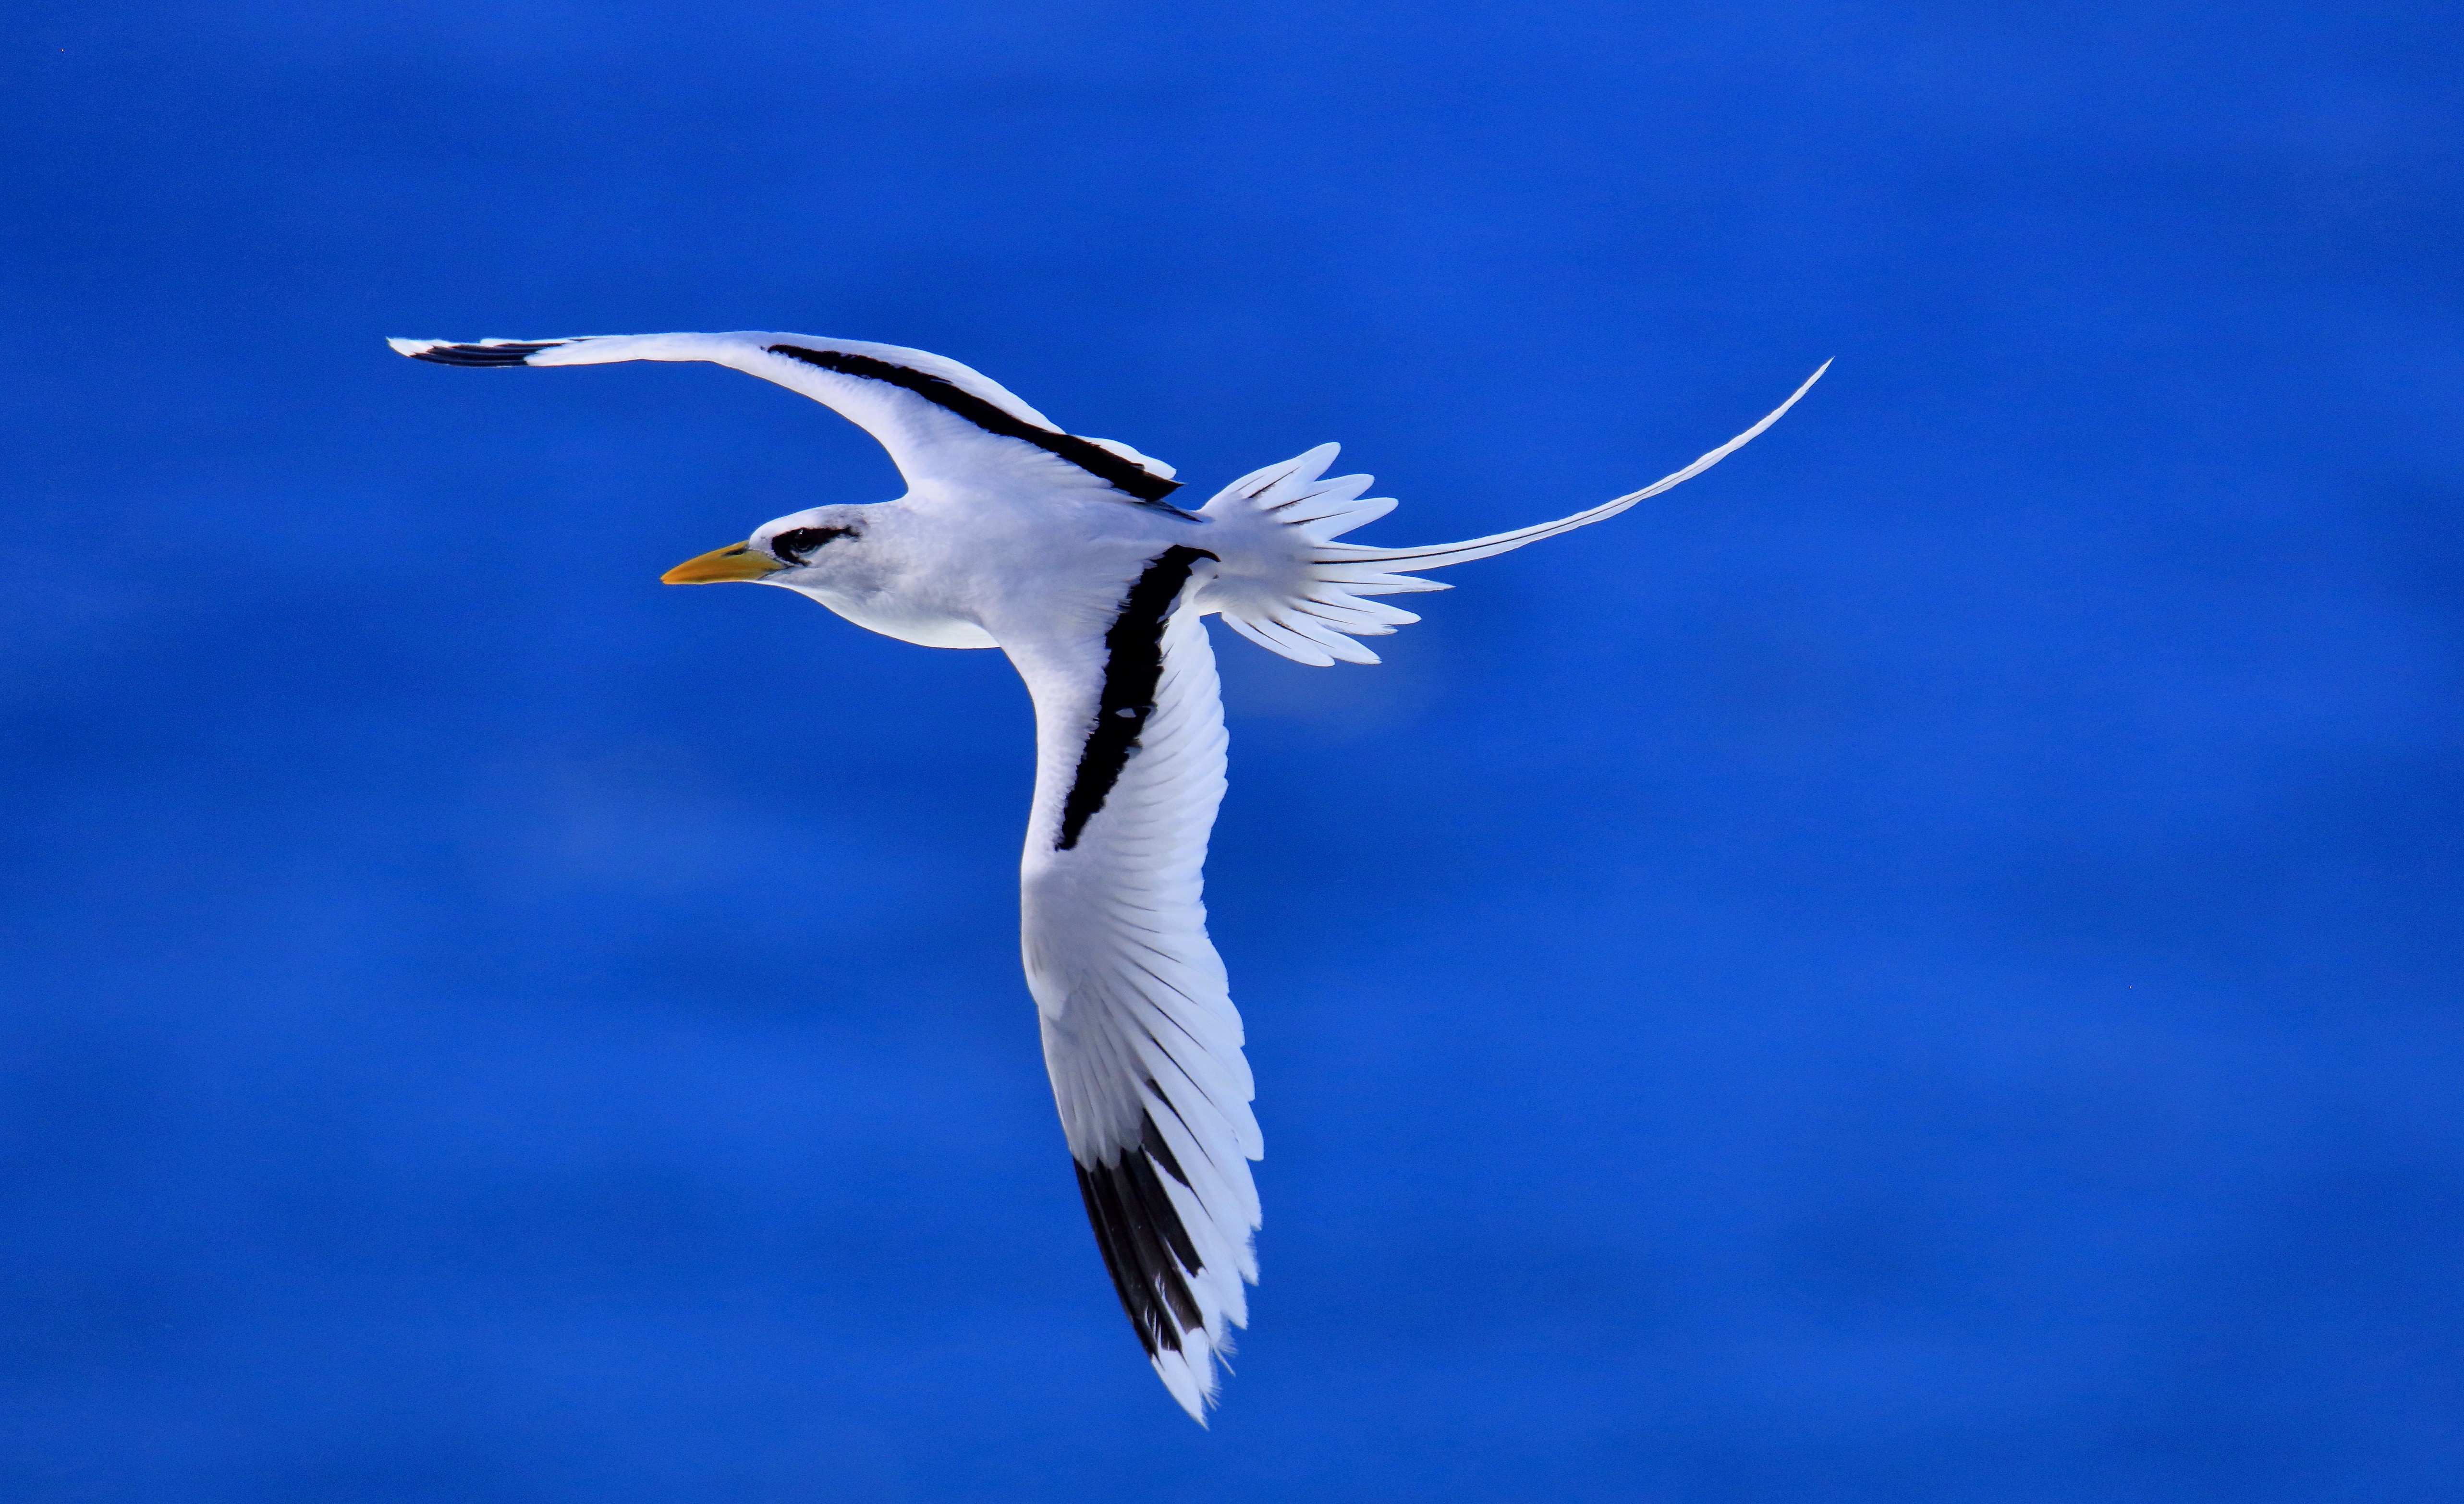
point(799, 544)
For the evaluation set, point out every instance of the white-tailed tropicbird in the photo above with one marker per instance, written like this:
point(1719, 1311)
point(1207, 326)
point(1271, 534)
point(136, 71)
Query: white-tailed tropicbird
point(1068, 554)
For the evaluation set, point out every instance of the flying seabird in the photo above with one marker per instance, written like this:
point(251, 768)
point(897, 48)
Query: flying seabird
point(1071, 555)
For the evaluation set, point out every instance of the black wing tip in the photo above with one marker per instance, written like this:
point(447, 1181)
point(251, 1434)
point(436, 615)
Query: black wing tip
point(487, 352)
point(1146, 1248)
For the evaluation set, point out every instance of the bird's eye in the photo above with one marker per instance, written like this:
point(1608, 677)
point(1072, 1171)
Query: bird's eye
point(799, 544)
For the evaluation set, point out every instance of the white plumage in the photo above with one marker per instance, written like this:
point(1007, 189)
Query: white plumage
point(1069, 555)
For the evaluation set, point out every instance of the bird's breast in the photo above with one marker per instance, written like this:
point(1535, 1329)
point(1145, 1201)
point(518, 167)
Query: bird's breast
point(910, 617)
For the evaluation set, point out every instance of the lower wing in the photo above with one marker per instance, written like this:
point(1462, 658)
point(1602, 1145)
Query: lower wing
point(1139, 1032)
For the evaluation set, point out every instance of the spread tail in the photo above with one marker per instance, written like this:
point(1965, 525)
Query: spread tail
point(1288, 586)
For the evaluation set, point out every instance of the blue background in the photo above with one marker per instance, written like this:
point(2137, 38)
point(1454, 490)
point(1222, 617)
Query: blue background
point(1920, 967)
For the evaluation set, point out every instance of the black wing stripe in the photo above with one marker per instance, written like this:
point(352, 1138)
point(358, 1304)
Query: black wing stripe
point(483, 354)
point(1133, 668)
point(1157, 1151)
point(1157, 1092)
point(1088, 455)
point(1146, 1248)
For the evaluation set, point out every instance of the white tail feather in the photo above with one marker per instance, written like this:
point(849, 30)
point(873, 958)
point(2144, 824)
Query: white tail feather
point(1286, 585)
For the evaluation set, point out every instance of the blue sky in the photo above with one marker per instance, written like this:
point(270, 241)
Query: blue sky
point(1919, 967)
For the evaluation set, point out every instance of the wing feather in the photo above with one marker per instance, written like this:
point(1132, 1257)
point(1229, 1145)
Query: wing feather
point(1140, 1036)
point(946, 426)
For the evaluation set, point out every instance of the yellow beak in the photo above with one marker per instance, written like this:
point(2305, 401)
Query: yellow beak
point(735, 561)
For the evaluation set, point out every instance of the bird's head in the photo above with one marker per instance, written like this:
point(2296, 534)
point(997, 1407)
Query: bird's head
point(802, 551)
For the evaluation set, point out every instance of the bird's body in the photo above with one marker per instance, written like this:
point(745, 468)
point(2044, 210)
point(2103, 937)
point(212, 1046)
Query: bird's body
point(1075, 557)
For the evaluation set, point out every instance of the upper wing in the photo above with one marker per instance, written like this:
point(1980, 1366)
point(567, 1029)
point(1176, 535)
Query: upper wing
point(944, 424)
point(1139, 1032)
